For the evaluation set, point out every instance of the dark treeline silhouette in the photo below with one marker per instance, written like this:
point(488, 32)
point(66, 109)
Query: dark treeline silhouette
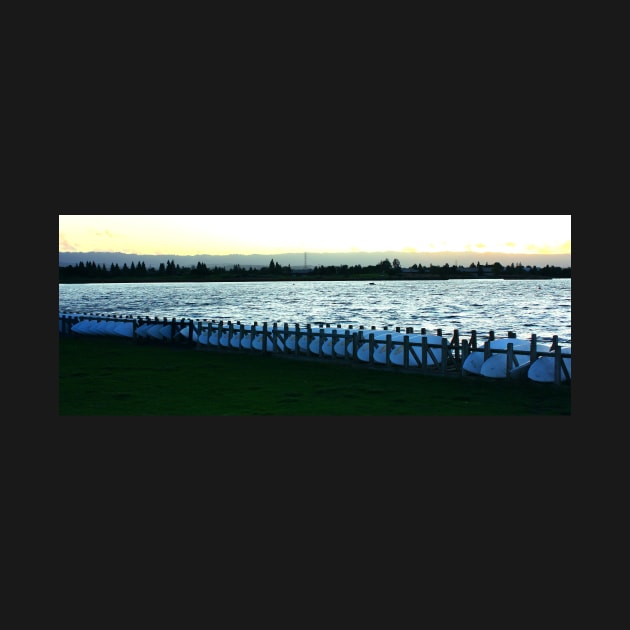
point(170, 272)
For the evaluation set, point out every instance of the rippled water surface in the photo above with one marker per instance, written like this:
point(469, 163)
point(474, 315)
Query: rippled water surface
point(524, 307)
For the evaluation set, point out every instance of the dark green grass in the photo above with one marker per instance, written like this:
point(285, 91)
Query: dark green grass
point(110, 376)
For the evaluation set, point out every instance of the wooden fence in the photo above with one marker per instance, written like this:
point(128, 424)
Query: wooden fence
point(286, 339)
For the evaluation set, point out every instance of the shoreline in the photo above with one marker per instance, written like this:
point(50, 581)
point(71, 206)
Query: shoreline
point(298, 278)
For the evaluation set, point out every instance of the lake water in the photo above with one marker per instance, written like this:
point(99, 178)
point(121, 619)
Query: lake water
point(524, 307)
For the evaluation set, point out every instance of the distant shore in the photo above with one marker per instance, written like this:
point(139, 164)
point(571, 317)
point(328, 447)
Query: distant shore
point(299, 278)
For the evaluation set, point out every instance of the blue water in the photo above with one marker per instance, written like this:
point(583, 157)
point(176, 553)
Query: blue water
point(524, 307)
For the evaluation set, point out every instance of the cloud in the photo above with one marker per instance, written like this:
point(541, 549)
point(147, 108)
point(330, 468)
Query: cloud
point(65, 245)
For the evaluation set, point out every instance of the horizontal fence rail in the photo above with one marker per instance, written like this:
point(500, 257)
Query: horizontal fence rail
point(390, 348)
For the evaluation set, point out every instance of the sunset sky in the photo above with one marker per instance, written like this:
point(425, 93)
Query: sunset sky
point(269, 234)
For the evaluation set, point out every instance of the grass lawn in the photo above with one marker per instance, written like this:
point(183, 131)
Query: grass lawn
point(116, 376)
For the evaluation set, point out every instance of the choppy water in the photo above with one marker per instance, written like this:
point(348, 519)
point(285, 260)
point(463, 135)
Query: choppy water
point(524, 307)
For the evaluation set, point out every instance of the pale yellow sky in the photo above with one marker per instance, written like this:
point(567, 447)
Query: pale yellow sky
point(279, 234)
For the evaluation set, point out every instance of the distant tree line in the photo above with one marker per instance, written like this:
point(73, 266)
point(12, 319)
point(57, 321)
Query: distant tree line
point(169, 271)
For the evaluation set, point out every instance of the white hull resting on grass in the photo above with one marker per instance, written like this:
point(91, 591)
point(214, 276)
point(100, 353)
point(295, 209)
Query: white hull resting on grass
point(327, 343)
point(124, 329)
point(248, 338)
point(302, 343)
point(88, 327)
point(246, 341)
point(81, 327)
point(112, 327)
point(337, 346)
point(155, 331)
point(213, 337)
point(363, 337)
point(495, 366)
point(98, 328)
point(240, 333)
point(380, 346)
point(397, 356)
point(235, 342)
point(109, 327)
point(143, 329)
point(291, 339)
point(340, 347)
point(476, 359)
point(226, 341)
point(166, 331)
point(542, 369)
point(244, 336)
point(185, 332)
point(257, 343)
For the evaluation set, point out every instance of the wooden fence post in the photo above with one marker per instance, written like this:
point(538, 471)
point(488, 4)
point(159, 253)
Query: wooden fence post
point(465, 353)
point(509, 358)
point(557, 369)
point(371, 347)
point(533, 354)
point(425, 353)
point(455, 344)
point(444, 355)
